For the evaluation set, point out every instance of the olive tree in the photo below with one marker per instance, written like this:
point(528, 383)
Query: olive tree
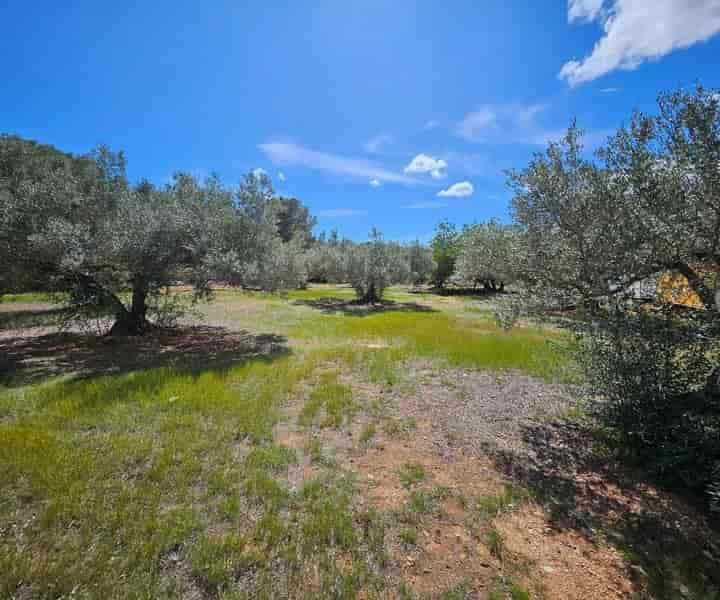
point(444, 246)
point(38, 183)
point(373, 267)
point(78, 226)
point(147, 241)
point(487, 255)
point(647, 204)
point(420, 262)
point(328, 258)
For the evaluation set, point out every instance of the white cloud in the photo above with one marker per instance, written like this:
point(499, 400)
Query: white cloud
point(423, 163)
point(425, 205)
point(375, 183)
point(281, 176)
point(341, 212)
point(510, 123)
point(458, 190)
point(287, 153)
point(258, 172)
point(430, 125)
point(584, 10)
point(378, 143)
point(636, 31)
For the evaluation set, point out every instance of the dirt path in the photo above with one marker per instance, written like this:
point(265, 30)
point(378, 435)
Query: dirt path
point(509, 497)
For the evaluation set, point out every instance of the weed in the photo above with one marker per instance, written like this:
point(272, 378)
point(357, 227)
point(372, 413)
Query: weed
point(418, 504)
point(216, 561)
point(519, 592)
point(367, 433)
point(271, 458)
point(495, 543)
point(398, 428)
point(410, 474)
point(458, 592)
point(332, 397)
point(408, 536)
point(491, 506)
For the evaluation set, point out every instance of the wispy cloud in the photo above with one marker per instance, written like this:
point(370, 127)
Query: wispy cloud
point(609, 90)
point(422, 163)
point(430, 125)
point(425, 205)
point(510, 123)
point(584, 10)
point(376, 183)
point(377, 144)
point(341, 212)
point(469, 164)
point(635, 31)
point(288, 153)
point(458, 190)
point(281, 176)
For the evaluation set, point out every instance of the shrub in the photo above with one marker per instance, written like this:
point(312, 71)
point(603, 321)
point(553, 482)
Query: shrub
point(653, 371)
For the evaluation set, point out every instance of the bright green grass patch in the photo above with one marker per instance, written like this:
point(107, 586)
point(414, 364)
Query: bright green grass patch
point(28, 297)
point(460, 342)
point(318, 293)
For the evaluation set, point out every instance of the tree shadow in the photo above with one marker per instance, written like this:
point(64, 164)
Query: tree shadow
point(31, 359)
point(667, 541)
point(356, 308)
point(457, 291)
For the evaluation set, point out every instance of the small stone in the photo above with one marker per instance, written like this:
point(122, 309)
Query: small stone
point(548, 569)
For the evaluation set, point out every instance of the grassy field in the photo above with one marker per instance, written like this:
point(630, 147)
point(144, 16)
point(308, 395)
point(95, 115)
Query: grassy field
point(287, 458)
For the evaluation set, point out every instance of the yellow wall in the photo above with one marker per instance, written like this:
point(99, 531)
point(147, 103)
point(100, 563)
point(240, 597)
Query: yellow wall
point(674, 287)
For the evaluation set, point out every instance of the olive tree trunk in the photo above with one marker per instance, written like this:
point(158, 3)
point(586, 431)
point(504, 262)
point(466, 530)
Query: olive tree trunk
point(133, 321)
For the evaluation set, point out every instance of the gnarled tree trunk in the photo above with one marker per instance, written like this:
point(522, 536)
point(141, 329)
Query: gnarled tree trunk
point(133, 321)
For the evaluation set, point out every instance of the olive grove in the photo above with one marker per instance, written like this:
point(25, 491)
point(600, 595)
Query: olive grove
point(76, 225)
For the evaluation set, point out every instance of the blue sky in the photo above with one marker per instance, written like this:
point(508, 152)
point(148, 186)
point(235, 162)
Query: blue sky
point(391, 113)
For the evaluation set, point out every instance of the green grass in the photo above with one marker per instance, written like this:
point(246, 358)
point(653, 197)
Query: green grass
point(109, 482)
point(519, 592)
point(367, 433)
point(122, 464)
point(333, 399)
point(443, 336)
point(411, 474)
point(408, 536)
point(27, 297)
point(495, 543)
point(493, 505)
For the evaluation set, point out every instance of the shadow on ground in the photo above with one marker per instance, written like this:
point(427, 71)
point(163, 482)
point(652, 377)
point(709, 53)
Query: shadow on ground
point(457, 291)
point(32, 359)
point(358, 309)
point(671, 546)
